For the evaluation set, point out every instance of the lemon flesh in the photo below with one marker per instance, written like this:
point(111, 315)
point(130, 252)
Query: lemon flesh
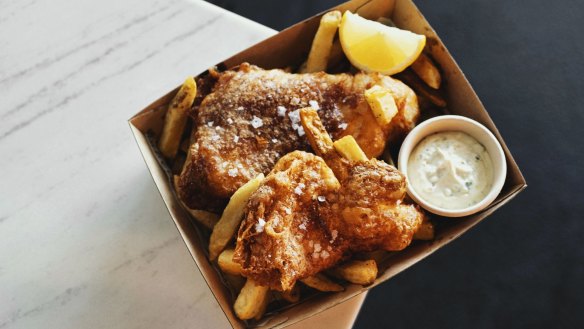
point(374, 47)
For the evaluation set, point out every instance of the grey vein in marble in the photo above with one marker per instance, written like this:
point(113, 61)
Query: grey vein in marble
point(85, 239)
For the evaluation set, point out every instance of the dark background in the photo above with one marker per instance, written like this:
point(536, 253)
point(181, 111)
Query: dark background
point(523, 267)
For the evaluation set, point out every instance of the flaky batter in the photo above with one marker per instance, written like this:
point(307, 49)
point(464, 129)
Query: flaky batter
point(247, 118)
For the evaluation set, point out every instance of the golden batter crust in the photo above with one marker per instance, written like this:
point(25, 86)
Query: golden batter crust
point(249, 119)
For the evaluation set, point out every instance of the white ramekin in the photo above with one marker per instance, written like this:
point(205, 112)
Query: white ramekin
point(474, 129)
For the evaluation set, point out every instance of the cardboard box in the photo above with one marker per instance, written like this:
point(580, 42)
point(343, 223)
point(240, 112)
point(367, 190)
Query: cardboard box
point(289, 48)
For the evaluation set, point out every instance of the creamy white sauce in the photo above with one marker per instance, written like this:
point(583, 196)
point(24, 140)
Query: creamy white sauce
point(451, 170)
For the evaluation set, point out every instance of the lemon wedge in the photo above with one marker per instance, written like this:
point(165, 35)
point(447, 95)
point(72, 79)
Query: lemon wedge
point(374, 47)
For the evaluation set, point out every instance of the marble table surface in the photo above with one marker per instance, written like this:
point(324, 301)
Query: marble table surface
point(85, 239)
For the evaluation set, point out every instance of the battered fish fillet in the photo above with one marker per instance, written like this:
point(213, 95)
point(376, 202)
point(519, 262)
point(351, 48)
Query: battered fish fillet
point(302, 220)
point(282, 237)
point(371, 201)
point(249, 118)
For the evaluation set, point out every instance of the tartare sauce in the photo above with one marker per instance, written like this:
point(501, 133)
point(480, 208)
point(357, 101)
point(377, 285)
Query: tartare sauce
point(451, 170)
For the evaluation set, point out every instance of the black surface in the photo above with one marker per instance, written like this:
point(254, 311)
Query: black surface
point(523, 267)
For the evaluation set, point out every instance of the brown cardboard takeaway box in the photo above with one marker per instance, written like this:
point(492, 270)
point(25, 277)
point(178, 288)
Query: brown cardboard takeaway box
point(289, 48)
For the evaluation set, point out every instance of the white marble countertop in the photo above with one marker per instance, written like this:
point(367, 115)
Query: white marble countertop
point(85, 239)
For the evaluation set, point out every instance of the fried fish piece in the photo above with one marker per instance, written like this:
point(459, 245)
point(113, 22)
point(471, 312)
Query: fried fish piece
point(301, 220)
point(370, 203)
point(282, 238)
point(249, 118)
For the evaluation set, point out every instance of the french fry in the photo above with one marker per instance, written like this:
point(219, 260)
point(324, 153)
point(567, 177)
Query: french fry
point(357, 271)
point(263, 307)
point(378, 256)
point(323, 41)
point(382, 104)
point(322, 283)
point(251, 300)
point(427, 71)
point(349, 149)
point(176, 118)
point(421, 89)
point(229, 222)
point(423, 66)
point(316, 133)
point(208, 219)
point(292, 295)
point(226, 263)
point(425, 231)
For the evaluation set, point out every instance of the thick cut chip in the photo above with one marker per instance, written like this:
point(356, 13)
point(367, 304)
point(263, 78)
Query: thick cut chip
point(226, 263)
point(322, 283)
point(251, 301)
point(358, 272)
point(349, 149)
point(226, 227)
point(427, 71)
point(176, 118)
point(323, 42)
point(382, 104)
